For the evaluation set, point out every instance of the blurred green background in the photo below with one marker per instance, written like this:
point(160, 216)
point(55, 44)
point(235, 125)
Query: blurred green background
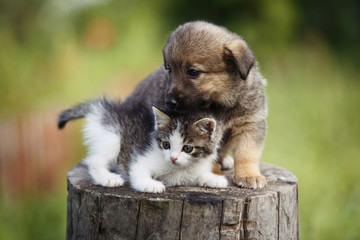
point(56, 53)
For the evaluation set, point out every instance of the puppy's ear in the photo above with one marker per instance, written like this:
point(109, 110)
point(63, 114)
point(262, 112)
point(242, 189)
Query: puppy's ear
point(161, 119)
point(238, 51)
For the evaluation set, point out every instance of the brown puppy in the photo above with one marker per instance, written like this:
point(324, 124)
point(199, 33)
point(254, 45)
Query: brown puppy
point(207, 67)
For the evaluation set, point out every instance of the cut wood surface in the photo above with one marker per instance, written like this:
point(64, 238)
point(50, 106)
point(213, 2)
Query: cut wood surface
point(96, 212)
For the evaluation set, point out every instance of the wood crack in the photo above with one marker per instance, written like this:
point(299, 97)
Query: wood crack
point(244, 233)
point(137, 219)
point(181, 218)
point(221, 218)
point(99, 216)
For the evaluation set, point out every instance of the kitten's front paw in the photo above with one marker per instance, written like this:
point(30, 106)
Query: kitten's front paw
point(227, 163)
point(253, 182)
point(152, 186)
point(109, 180)
point(215, 181)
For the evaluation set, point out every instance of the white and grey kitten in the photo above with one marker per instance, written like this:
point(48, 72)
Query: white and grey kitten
point(148, 148)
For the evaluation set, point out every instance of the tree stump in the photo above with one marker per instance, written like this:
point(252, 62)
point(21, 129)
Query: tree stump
point(95, 212)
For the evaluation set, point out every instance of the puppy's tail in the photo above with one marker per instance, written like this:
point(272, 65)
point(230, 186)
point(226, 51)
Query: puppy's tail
point(82, 110)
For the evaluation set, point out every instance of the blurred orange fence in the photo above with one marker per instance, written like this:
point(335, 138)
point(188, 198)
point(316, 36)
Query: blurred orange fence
point(33, 153)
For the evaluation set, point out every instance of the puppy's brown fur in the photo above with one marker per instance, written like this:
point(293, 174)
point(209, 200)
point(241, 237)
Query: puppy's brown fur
point(209, 68)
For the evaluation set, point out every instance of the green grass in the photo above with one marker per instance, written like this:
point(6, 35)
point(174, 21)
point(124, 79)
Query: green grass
point(314, 132)
point(40, 217)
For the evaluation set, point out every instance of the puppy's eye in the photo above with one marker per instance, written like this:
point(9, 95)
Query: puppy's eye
point(193, 73)
point(167, 67)
point(187, 148)
point(166, 145)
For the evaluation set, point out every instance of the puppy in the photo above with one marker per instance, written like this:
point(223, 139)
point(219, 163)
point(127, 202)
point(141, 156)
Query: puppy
point(210, 68)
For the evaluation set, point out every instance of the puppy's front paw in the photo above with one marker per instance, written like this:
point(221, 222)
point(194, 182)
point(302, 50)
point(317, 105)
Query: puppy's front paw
point(254, 182)
point(152, 186)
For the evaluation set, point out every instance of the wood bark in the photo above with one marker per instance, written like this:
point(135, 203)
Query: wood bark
point(96, 212)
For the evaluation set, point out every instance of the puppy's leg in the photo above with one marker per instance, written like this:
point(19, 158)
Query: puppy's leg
point(247, 149)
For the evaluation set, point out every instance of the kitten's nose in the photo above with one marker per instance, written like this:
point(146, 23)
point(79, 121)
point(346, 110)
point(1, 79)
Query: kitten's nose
point(171, 103)
point(173, 159)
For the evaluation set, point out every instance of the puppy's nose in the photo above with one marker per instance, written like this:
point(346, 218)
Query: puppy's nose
point(171, 103)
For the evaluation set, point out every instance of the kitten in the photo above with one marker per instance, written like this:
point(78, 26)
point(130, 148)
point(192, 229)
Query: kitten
point(150, 149)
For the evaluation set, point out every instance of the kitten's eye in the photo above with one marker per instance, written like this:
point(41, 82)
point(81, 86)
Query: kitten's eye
point(166, 145)
point(187, 148)
point(193, 73)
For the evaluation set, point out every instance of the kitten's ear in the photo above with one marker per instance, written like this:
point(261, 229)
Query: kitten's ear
point(205, 126)
point(161, 119)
